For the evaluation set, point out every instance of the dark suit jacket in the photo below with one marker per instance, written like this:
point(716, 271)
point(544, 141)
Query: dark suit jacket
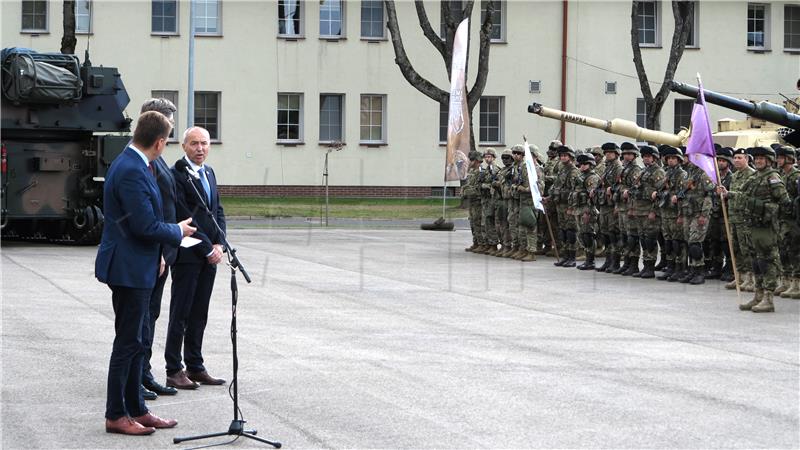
point(188, 204)
point(166, 187)
point(134, 227)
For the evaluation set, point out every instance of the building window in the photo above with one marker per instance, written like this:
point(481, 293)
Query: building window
point(641, 113)
point(372, 23)
point(491, 129)
point(206, 112)
point(444, 118)
point(290, 115)
point(331, 18)
point(456, 6)
point(694, 30)
point(173, 97)
point(757, 26)
point(207, 14)
point(649, 31)
point(83, 16)
point(34, 15)
point(683, 114)
point(290, 21)
point(165, 17)
point(791, 27)
point(331, 123)
point(498, 20)
point(373, 119)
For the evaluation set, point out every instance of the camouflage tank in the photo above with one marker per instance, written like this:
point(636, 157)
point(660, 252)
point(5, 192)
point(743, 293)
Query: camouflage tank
point(62, 125)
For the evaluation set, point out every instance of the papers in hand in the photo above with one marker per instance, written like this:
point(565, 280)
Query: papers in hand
point(189, 241)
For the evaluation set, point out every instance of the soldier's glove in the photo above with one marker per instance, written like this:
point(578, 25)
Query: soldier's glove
point(652, 215)
point(680, 220)
point(702, 221)
point(586, 218)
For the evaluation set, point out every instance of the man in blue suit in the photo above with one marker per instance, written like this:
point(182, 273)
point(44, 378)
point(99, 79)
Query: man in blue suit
point(128, 261)
point(196, 267)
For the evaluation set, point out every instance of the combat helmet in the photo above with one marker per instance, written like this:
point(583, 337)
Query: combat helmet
point(627, 147)
point(668, 150)
point(610, 147)
point(596, 150)
point(554, 144)
point(490, 151)
point(565, 150)
point(586, 158)
point(725, 153)
point(649, 150)
point(475, 155)
point(787, 152)
point(763, 151)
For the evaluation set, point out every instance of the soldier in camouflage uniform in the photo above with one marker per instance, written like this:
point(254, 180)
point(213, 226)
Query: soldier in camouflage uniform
point(608, 222)
point(765, 196)
point(668, 204)
point(517, 153)
point(696, 202)
point(583, 209)
point(551, 169)
point(471, 193)
point(645, 211)
point(739, 228)
point(629, 234)
point(528, 234)
point(501, 188)
point(599, 168)
point(487, 177)
point(789, 236)
point(562, 186)
point(716, 245)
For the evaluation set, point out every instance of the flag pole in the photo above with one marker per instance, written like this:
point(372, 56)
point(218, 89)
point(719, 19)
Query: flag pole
point(724, 211)
point(546, 219)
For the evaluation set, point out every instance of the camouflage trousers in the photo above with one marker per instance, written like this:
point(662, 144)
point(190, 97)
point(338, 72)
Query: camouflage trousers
point(552, 213)
point(608, 230)
point(628, 228)
point(528, 236)
point(501, 222)
point(476, 221)
point(789, 248)
point(513, 221)
point(695, 235)
point(744, 259)
point(489, 228)
point(566, 228)
point(716, 243)
point(648, 230)
point(764, 245)
point(586, 225)
point(673, 239)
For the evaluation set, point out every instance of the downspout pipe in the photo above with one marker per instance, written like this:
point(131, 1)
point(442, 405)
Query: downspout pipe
point(564, 31)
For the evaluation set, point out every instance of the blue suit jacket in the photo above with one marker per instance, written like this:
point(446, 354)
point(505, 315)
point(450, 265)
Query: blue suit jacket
point(166, 187)
point(189, 205)
point(134, 227)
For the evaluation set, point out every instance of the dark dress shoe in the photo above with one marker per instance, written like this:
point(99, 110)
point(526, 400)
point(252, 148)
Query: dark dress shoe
point(204, 378)
point(148, 394)
point(126, 425)
point(152, 420)
point(180, 381)
point(158, 388)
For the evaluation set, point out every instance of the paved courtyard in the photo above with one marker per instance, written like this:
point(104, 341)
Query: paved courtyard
point(397, 338)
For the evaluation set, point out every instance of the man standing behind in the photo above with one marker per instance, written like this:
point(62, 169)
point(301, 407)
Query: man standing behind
point(196, 267)
point(128, 261)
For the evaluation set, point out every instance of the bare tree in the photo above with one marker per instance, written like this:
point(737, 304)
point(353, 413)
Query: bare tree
point(452, 18)
point(68, 40)
point(683, 13)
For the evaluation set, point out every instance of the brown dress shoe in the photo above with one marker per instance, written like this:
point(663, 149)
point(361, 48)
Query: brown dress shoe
point(126, 425)
point(152, 420)
point(204, 378)
point(179, 380)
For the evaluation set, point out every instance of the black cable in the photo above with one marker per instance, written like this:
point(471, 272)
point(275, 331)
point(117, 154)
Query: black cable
point(215, 445)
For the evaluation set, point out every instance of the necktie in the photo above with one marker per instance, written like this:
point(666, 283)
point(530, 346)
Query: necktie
point(206, 186)
point(152, 168)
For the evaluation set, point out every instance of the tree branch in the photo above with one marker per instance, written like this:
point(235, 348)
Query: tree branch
point(682, 12)
point(483, 58)
point(430, 33)
point(644, 84)
point(68, 40)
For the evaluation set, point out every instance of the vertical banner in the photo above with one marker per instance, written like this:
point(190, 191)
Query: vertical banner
point(533, 178)
point(700, 148)
point(457, 160)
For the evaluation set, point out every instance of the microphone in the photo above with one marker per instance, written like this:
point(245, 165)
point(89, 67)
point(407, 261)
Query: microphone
point(182, 166)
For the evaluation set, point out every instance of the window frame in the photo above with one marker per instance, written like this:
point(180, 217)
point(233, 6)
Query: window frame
point(218, 138)
point(383, 36)
point(342, 97)
point(165, 93)
point(503, 36)
point(89, 14)
point(300, 121)
point(384, 121)
point(442, 29)
point(500, 121)
point(217, 33)
point(767, 30)
point(643, 114)
point(656, 23)
point(444, 115)
point(695, 26)
point(342, 22)
point(300, 34)
point(675, 109)
point(786, 8)
point(46, 13)
point(177, 19)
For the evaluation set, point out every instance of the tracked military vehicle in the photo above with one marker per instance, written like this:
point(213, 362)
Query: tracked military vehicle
point(62, 125)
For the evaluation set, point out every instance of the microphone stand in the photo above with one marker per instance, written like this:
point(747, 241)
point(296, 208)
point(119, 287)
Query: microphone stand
point(236, 427)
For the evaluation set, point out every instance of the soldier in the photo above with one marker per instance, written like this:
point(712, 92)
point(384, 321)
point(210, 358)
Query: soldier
point(563, 185)
point(487, 176)
point(696, 202)
point(668, 204)
point(517, 153)
point(716, 244)
point(645, 211)
point(789, 235)
point(765, 195)
point(599, 169)
point(583, 209)
point(629, 234)
point(471, 193)
point(608, 222)
point(502, 194)
point(739, 228)
point(528, 223)
point(551, 169)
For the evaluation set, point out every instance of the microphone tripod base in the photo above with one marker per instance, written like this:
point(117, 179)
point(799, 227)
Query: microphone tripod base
point(236, 429)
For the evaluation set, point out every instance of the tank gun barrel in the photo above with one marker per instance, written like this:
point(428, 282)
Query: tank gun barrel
point(761, 110)
point(614, 126)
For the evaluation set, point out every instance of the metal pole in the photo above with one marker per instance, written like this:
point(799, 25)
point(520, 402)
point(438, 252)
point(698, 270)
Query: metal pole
point(326, 186)
point(190, 90)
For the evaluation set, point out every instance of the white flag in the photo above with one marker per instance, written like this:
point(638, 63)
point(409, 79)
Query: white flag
point(456, 159)
point(533, 179)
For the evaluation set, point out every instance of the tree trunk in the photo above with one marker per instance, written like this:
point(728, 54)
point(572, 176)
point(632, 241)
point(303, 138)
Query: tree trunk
point(68, 40)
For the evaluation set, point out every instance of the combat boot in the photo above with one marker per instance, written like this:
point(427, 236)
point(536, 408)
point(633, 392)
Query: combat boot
point(678, 275)
point(638, 273)
point(605, 265)
point(747, 306)
point(698, 277)
point(520, 254)
point(714, 272)
point(530, 256)
point(550, 252)
point(727, 272)
point(794, 289)
point(765, 305)
point(732, 284)
point(509, 251)
point(649, 270)
point(668, 271)
point(783, 284)
point(562, 260)
point(749, 284)
point(483, 249)
point(689, 274)
point(614, 264)
point(570, 262)
point(471, 248)
point(632, 268)
point(662, 264)
point(626, 263)
point(588, 264)
point(493, 251)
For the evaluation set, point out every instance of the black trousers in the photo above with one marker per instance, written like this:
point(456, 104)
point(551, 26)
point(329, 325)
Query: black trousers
point(150, 325)
point(188, 313)
point(123, 397)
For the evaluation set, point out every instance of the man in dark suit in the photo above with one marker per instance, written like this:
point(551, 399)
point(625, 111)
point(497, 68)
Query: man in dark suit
point(196, 267)
point(128, 262)
point(151, 388)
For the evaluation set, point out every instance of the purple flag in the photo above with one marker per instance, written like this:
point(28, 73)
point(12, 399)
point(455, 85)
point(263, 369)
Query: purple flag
point(700, 148)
